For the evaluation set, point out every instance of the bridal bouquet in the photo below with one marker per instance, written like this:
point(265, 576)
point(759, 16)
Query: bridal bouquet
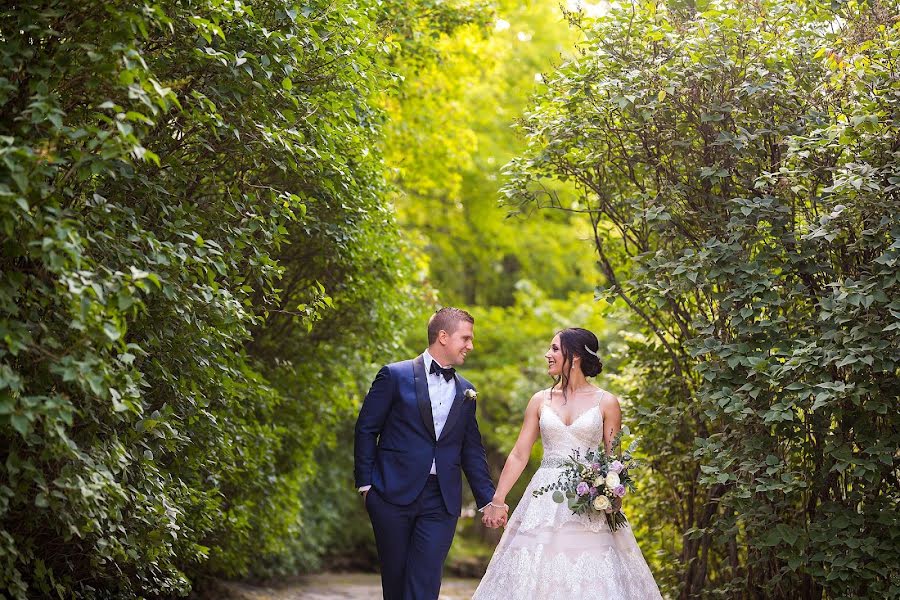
point(594, 484)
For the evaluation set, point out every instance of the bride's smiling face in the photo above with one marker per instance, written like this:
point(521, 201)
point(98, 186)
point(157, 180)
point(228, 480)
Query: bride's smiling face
point(554, 358)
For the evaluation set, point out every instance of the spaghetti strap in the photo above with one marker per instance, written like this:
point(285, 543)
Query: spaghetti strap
point(545, 402)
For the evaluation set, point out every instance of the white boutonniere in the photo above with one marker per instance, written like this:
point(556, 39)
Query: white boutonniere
point(471, 394)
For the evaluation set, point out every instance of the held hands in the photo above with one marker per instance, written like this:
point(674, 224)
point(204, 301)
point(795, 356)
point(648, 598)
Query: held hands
point(495, 515)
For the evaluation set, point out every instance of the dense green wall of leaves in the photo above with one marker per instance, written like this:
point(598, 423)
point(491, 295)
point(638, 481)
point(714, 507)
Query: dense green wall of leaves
point(197, 253)
point(741, 170)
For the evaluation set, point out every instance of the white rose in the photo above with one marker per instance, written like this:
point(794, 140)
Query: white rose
point(599, 481)
point(612, 480)
point(601, 502)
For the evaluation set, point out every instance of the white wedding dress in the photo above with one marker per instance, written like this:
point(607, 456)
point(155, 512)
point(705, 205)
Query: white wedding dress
point(549, 553)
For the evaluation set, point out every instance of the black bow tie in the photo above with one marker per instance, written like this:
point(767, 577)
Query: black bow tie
point(447, 372)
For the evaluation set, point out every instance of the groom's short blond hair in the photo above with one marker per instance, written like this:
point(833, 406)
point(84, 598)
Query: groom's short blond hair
point(446, 319)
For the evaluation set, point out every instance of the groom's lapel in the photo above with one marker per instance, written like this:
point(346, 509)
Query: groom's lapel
point(456, 409)
point(422, 397)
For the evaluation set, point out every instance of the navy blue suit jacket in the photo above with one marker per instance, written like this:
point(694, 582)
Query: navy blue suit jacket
point(395, 440)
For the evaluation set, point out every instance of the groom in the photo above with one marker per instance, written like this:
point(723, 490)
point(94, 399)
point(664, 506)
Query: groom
point(416, 430)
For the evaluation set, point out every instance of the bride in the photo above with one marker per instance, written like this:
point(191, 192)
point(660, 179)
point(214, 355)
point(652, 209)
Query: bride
point(546, 551)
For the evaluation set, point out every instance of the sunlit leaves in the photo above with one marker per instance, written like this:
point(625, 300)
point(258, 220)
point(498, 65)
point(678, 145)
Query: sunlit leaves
point(175, 180)
point(767, 286)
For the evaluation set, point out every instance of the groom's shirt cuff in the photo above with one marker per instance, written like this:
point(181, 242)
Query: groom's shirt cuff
point(364, 488)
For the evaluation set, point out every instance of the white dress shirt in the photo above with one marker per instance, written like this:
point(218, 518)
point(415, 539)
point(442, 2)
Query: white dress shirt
point(442, 393)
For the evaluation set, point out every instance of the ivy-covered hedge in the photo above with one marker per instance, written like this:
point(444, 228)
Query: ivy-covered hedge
point(741, 169)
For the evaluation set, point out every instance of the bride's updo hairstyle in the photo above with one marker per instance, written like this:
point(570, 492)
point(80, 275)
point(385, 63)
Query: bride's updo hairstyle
point(579, 342)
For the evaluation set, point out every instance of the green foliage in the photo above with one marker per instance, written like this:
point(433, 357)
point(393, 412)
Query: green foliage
point(740, 170)
point(449, 134)
point(196, 248)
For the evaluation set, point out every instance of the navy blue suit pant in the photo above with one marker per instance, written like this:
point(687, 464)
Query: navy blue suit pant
point(413, 541)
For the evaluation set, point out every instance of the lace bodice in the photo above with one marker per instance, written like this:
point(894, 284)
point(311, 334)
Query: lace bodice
point(560, 440)
point(584, 433)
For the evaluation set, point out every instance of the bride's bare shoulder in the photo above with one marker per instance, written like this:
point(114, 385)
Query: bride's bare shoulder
point(537, 400)
point(538, 397)
point(609, 400)
point(541, 395)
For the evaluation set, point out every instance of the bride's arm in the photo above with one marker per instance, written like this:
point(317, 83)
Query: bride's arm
point(612, 419)
point(518, 458)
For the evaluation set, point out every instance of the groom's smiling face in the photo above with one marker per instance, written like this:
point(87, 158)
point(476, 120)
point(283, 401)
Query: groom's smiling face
point(458, 344)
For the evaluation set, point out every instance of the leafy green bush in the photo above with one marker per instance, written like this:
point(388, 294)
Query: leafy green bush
point(195, 238)
point(740, 168)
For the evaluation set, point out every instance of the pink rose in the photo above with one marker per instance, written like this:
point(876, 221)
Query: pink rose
point(619, 491)
point(616, 467)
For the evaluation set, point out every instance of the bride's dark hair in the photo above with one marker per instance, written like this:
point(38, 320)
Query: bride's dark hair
point(575, 341)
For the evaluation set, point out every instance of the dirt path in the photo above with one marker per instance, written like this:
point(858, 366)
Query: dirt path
point(339, 586)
